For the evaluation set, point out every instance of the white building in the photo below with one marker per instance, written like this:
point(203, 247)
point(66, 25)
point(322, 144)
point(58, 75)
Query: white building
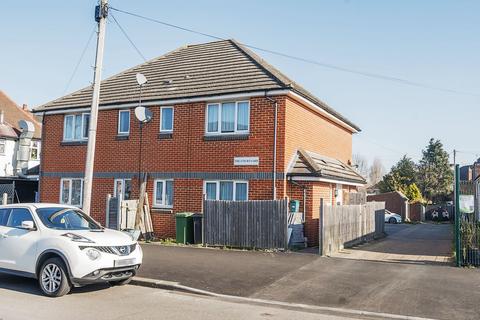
point(20, 146)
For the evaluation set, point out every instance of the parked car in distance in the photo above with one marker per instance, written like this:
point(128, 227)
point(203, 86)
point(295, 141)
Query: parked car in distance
point(391, 217)
point(61, 247)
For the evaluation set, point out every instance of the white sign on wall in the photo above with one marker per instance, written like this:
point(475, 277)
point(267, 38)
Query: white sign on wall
point(246, 161)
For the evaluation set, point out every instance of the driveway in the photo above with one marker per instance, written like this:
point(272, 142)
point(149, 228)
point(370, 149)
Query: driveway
point(425, 243)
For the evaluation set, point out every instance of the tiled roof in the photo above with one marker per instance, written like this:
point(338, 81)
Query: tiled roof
point(311, 164)
point(12, 114)
point(214, 68)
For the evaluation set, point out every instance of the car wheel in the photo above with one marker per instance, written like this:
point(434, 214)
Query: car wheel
point(120, 282)
point(53, 278)
point(392, 220)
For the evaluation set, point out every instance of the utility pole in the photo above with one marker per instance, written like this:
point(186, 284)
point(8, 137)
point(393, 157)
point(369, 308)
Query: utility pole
point(101, 12)
point(454, 156)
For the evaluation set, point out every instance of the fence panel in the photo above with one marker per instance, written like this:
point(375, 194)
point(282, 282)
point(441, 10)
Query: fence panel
point(344, 226)
point(9, 189)
point(468, 224)
point(246, 224)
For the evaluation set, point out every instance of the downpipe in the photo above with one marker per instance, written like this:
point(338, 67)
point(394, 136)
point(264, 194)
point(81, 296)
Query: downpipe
point(275, 125)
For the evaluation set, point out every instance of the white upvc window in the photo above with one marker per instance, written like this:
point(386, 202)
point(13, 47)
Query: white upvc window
point(3, 143)
point(163, 193)
point(124, 122)
point(166, 119)
point(123, 188)
point(71, 191)
point(226, 190)
point(75, 127)
point(35, 150)
point(228, 118)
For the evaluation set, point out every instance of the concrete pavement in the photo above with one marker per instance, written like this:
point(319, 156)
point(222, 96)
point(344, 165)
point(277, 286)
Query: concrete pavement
point(420, 243)
point(396, 287)
point(21, 300)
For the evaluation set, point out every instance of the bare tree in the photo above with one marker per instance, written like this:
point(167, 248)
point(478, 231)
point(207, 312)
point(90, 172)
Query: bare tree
point(377, 171)
point(361, 165)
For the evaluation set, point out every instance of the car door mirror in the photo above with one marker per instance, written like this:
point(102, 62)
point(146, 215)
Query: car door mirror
point(28, 225)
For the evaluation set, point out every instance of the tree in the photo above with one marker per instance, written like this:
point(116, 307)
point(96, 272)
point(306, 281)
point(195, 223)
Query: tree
point(435, 177)
point(361, 164)
point(376, 171)
point(413, 193)
point(401, 176)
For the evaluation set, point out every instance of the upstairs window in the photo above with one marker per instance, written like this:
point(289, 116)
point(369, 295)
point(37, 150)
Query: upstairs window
point(34, 150)
point(75, 127)
point(226, 190)
point(124, 122)
point(228, 118)
point(71, 191)
point(166, 119)
point(123, 188)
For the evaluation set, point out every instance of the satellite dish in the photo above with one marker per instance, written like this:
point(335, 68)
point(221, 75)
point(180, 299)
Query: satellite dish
point(141, 79)
point(143, 114)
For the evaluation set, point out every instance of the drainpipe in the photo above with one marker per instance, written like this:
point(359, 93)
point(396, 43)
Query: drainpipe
point(274, 169)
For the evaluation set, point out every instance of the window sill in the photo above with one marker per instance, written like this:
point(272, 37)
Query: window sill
point(226, 137)
point(121, 137)
point(162, 210)
point(165, 135)
point(74, 143)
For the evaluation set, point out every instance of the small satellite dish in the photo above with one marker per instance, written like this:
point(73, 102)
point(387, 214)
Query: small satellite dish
point(143, 114)
point(141, 79)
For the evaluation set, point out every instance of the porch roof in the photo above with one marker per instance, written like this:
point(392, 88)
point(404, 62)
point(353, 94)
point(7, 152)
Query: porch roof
point(309, 164)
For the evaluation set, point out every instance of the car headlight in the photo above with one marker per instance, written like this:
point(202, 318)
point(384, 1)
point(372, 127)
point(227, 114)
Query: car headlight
point(77, 238)
point(93, 254)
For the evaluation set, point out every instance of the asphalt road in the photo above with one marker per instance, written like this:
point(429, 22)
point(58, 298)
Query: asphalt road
point(412, 288)
point(21, 300)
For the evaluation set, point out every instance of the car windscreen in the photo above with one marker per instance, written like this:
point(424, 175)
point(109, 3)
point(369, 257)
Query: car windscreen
point(66, 219)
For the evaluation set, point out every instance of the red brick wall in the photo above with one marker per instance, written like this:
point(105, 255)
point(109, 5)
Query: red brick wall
point(188, 152)
point(311, 131)
point(393, 202)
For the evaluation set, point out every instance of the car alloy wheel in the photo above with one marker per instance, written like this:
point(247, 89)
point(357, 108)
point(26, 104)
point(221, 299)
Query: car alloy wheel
point(392, 220)
point(51, 278)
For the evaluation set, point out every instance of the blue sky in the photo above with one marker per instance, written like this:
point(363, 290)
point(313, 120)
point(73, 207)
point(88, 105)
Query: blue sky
point(433, 42)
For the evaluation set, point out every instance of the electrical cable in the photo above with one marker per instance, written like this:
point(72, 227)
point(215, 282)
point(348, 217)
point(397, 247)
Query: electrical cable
point(128, 38)
point(305, 60)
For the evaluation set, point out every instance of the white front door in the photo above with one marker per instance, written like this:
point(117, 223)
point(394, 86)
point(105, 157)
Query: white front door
point(18, 247)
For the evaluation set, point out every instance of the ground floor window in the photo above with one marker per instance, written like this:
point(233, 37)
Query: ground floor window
point(226, 190)
point(71, 191)
point(123, 188)
point(163, 193)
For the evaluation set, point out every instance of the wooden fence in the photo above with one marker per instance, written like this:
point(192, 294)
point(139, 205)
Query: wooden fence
point(344, 226)
point(246, 224)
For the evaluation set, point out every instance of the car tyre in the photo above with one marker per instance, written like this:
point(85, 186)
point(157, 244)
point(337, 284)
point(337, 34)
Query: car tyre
point(392, 220)
point(53, 278)
point(120, 282)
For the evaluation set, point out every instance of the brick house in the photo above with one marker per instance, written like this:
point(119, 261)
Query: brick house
point(212, 134)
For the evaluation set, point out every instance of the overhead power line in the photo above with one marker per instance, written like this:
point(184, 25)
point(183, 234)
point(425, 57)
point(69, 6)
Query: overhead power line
point(80, 59)
point(128, 38)
point(305, 60)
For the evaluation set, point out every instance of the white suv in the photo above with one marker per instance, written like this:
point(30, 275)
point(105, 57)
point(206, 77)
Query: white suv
point(61, 246)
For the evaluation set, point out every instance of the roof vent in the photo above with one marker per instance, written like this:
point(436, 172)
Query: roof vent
point(169, 81)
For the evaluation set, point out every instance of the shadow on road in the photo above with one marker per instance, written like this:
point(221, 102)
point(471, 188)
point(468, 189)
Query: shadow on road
point(30, 286)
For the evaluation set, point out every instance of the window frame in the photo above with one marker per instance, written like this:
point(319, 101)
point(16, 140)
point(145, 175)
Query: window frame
point(73, 115)
point(4, 143)
point(217, 190)
point(33, 147)
point(164, 194)
point(10, 215)
point(161, 116)
point(70, 189)
point(123, 133)
point(123, 187)
point(219, 119)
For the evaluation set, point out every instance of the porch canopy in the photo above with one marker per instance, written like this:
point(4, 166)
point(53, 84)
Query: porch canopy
point(310, 166)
